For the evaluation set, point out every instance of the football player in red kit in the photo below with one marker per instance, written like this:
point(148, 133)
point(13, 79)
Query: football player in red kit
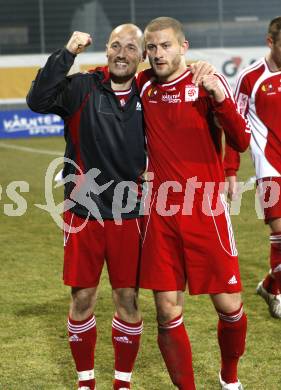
point(258, 95)
point(186, 241)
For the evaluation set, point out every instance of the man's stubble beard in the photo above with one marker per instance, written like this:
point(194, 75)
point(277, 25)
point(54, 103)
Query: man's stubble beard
point(173, 67)
point(121, 79)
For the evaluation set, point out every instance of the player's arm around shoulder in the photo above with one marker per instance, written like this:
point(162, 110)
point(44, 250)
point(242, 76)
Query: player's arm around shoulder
point(49, 90)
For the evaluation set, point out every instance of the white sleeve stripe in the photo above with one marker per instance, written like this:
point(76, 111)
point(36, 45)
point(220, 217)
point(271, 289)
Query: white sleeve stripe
point(244, 72)
point(147, 84)
point(226, 86)
point(229, 94)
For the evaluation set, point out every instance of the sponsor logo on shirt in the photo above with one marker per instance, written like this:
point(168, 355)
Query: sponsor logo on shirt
point(171, 98)
point(138, 106)
point(191, 93)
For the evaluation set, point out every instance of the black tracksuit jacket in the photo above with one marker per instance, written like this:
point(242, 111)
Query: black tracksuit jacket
point(99, 134)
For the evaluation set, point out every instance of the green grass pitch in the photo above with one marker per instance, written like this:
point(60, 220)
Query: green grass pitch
point(34, 302)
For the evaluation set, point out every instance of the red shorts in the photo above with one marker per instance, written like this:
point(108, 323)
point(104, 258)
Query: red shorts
point(270, 199)
point(198, 250)
point(86, 251)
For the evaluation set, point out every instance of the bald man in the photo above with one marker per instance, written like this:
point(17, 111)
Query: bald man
point(105, 146)
point(103, 130)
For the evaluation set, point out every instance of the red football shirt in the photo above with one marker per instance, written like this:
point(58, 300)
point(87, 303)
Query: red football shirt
point(258, 94)
point(182, 137)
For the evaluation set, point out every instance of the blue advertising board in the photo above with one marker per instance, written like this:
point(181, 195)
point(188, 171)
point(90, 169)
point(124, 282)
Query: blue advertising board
point(26, 123)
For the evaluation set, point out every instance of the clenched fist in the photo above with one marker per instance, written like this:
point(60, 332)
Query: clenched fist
point(78, 42)
point(213, 85)
point(200, 69)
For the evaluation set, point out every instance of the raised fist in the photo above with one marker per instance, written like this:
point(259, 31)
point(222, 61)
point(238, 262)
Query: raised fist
point(78, 42)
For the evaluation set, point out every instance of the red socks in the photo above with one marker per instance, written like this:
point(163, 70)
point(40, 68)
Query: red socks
point(175, 347)
point(126, 342)
point(271, 285)
point(82, 341)
point(275, 257)
point(173, 342)
point(125, 339)
point(232, 328)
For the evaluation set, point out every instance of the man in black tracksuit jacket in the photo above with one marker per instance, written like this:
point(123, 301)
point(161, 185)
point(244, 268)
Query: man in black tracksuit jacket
point(106, 148)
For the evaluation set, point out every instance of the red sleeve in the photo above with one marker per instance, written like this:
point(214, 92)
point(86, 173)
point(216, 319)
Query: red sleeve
point(231, 161)
point(242, 95)
point(236, 128)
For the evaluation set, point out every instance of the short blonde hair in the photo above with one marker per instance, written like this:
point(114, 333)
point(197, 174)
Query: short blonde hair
point(163, 23)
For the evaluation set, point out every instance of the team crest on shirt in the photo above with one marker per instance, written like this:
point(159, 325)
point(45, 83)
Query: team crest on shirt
point(191, 93)
point(269, 89)
point(152, 95)
point(152, 92)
